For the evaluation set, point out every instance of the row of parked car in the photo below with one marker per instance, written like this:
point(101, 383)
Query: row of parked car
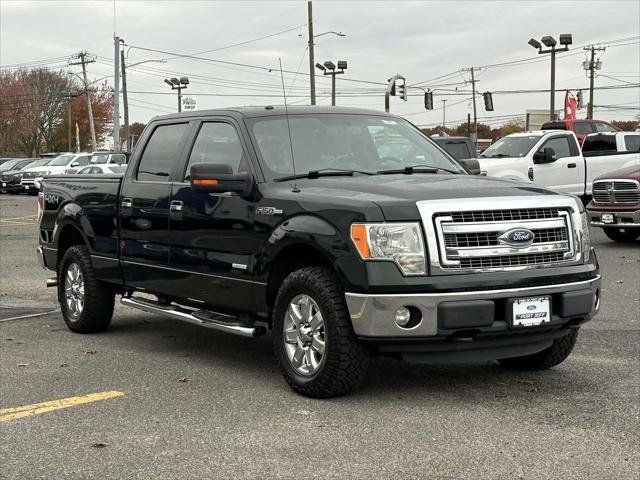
point(601, 168)
point(23, 175)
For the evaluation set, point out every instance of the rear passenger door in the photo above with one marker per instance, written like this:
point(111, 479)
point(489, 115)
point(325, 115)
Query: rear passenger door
point(144, 208)
point(213, 239)
point(567, 172)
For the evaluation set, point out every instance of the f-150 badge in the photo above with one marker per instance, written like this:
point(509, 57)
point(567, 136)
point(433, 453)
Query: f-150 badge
point(268, 211)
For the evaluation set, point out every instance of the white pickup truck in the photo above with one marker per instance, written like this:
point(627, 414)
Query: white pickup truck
point(552, 158)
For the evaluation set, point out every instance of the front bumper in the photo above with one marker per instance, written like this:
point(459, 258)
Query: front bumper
point(481, 311)
point(622, 219)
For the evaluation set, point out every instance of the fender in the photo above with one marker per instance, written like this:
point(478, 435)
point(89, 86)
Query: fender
point(321, 237)
point(72, 214)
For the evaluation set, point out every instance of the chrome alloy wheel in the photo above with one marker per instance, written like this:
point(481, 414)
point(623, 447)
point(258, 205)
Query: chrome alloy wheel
point(74, 291)
point(303, 335)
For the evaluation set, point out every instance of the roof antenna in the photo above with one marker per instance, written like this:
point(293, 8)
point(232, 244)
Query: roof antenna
point(294, 187)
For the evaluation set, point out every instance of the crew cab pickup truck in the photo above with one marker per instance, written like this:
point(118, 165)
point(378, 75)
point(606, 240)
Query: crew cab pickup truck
point(550, 159)
point(616, 204)
point(247, 220)
point(580, 126)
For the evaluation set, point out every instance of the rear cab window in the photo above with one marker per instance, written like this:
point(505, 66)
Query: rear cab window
point(599, 145)
point(632, 142)
point(161, 153)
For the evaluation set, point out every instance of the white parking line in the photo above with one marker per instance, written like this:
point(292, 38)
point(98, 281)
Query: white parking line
point(31, 315)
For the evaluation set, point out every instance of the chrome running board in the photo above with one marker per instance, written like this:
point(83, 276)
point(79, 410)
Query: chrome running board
point(202, 318)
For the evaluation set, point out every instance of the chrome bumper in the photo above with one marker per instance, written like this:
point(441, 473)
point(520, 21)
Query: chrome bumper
point(630, 219)
point(373, 315)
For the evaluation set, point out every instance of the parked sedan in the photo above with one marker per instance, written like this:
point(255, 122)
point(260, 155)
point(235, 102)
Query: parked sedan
point(11, 174)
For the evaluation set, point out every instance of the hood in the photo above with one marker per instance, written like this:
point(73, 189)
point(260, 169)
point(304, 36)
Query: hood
point(397, 195)
point(628, 173)
point(10, 172)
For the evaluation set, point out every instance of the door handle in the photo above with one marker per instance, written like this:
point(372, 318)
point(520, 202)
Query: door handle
point(530, 173)
point(571, 165)
point(176, 205)
point(126, 203)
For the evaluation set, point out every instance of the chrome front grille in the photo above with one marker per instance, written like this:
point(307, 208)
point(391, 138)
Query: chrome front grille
point(463, 238)
point(616, 191)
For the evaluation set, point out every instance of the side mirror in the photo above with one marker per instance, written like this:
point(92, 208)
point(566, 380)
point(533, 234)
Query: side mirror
point(471, 165)
point(547, 155)
point(219, 178)
point(75, 164)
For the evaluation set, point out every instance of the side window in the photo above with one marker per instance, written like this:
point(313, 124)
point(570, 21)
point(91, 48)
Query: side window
point(216, 142)
point(560, 145)
point(118, 158)
point(161, 153)
point(599, 145)
point(603, 127)
point(632, 143)
point(84, 160)
point(582, 128)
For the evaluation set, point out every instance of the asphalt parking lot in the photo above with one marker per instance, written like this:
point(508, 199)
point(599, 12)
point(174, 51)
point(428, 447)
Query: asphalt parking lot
point(171, 400)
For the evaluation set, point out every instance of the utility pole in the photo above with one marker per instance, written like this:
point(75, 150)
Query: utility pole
point(125, 102)
point(69, 114)
point(473, 94)
point(82, 56)
point(116, 93)
point(444, 114)
point(591, 66)
point(312, 78)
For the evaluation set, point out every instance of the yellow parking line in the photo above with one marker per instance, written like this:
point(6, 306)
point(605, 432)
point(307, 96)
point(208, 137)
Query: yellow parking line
point(7, 414)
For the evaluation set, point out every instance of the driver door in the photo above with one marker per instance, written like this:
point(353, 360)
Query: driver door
point(566, 173)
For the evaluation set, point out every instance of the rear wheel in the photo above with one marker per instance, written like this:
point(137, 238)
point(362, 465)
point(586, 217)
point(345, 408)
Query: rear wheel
point(318, 353)
point(622, 234)
point(547, 358)
point(86, 303)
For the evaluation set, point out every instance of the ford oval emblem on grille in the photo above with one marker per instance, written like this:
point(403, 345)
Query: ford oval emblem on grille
point(517, 237)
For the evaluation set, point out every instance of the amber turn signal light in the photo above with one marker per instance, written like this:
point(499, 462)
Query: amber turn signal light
point(204, 182)
point(359, 239)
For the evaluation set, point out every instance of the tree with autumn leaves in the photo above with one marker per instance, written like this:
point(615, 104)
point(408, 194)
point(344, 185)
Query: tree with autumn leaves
point(34, 112)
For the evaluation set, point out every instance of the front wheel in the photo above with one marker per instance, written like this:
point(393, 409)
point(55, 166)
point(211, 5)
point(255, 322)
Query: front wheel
point(622, 234)
point(318, 353)
point(86, 303)
point(554, 355)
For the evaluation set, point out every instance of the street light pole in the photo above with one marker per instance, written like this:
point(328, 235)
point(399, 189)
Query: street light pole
point(178, 84)
point(444, 114)
point(329, 68)
point(565, 39)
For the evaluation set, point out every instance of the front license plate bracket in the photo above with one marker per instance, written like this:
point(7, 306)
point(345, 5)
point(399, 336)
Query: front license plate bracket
point(529, 311)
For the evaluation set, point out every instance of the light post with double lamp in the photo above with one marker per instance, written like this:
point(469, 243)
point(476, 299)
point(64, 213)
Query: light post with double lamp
point(329, 68)
point(177, 84)
point(549, 41)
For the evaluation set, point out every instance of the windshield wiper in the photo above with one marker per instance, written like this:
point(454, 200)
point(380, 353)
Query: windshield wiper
point(417, 169)
point(323, 172)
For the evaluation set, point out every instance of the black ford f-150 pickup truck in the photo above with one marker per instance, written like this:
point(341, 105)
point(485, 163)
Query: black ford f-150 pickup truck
point(345, 232)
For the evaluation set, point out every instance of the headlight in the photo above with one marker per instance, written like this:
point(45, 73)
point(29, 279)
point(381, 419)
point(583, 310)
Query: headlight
point(397, 242)
point(586, 237)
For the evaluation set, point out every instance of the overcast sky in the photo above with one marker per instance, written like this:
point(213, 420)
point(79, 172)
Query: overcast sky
point(420, 40)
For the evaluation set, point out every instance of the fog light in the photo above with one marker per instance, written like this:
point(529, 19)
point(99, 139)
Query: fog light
point(403, 316)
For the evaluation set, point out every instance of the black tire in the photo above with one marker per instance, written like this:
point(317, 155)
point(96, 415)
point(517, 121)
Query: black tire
point(345, 360)
point(97, 299)
point(622, 234)
point(547, 358)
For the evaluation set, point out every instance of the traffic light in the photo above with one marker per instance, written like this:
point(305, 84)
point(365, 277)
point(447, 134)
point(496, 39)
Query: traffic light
point(580, 99)
point(403, 91)
point(393, 87)
point(428, 100)
point(488, 101)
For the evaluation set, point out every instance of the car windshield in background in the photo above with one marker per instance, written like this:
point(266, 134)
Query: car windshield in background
point(117, 168)
point(457, 150)
point(99, 158)
point(345, 142)
point(510, 147)
point(38, 163)
point(61, 160)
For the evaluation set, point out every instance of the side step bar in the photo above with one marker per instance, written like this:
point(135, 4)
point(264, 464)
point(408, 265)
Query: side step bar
point(203, 318)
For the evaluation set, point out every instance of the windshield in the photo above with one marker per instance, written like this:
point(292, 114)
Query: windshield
point(99, 158)
point(349, 142)
point(38, 163)
point(458, 150)
point(512, 147)
point(6, 166)
point(61, 160)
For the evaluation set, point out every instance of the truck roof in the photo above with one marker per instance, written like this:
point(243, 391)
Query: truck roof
point(268, 110)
